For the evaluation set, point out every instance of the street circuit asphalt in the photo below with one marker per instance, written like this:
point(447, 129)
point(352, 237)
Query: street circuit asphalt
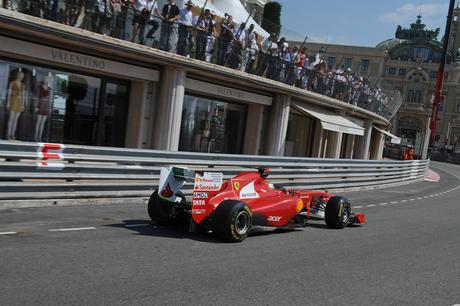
point(407, 254)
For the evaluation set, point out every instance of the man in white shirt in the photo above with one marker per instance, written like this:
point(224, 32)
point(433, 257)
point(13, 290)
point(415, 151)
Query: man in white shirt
point(247, 39)
point(185, 29)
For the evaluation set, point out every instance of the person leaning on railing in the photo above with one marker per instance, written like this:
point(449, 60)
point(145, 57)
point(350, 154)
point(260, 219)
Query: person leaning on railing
point(185, 30)
point(202, 28)
point(169, 26)
point(226, 36)
point(143, 10)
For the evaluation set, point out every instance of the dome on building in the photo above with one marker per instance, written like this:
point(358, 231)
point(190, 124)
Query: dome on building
point(390, 43)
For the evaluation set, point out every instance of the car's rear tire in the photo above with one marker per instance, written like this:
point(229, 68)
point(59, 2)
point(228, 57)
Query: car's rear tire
point(232, 220)
point(159, 210)
point(338, 212)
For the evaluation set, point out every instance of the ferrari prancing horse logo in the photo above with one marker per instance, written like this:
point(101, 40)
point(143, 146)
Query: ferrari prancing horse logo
point(236, 185)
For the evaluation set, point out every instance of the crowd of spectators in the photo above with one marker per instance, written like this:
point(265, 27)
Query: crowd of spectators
point(206, 37)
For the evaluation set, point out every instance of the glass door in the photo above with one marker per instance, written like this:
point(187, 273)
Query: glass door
point(113, 113)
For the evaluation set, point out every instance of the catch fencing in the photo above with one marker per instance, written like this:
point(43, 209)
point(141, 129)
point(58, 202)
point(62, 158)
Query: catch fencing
point(40, 171)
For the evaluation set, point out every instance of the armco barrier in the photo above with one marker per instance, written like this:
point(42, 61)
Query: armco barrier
point(54, 171)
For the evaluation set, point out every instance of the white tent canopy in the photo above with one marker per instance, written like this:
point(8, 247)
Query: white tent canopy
point(331, 121)
point(234, 8)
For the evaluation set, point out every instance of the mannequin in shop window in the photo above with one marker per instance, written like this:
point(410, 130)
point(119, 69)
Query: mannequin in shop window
point(15, 103)
point(43, 107)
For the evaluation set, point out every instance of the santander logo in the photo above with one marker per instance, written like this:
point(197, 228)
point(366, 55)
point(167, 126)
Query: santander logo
point(167, 192)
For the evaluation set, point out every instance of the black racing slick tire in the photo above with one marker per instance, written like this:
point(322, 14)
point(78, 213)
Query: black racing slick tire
point(338, 212)
point(232, 220)
point(159, 210)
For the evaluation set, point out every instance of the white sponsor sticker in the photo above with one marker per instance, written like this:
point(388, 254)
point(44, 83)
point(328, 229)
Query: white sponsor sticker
point(210, 181)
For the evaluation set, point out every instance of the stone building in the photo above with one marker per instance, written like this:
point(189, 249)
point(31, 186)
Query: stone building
point(409, 63)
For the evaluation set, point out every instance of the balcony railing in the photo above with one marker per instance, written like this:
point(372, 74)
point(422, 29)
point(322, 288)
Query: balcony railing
point(232, 46)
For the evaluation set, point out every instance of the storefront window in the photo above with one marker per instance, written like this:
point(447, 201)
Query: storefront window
point(299, 135)
point(212, 126)
point(40, 104)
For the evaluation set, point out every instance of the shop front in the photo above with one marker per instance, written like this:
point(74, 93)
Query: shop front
point(52, 95)
point(42, 104)
point(220, 119)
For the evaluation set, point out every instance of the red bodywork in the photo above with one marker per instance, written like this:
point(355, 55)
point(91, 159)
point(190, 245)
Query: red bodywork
point(269, 206)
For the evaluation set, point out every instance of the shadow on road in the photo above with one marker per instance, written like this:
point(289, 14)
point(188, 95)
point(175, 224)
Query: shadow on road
point(181, 231)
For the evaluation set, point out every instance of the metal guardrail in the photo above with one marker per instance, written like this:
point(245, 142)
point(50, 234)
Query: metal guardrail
point(56, 171)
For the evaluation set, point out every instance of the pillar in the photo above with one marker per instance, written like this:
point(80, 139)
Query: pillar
point(169, 112)
point(334, 144)
point(377, 143)
point(138, 108)
point(350, 146)
point(363, 145)
point(253, 133)
point(318, 140)
point(277, 125)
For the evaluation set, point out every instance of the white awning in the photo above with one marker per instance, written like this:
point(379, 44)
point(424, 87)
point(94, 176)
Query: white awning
point(209, 5)
point(331, 121)
point(394, 139)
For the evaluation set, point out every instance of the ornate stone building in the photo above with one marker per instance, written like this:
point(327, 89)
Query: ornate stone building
point(409, 63)
point(411, 66)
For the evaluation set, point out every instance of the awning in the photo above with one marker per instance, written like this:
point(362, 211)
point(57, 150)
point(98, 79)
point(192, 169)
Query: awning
point(394, 139)
point(331, 121)
point(209, 5)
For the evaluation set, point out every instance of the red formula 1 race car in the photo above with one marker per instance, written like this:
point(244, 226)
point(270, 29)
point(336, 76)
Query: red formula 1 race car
point(231, 208)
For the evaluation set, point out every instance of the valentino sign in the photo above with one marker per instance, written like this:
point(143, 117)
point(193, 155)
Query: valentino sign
point(77, 59)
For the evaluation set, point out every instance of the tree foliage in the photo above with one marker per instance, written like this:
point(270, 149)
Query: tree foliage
point(272, 18)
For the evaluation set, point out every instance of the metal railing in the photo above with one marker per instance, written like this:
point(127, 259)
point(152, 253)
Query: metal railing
point(55, 171)
point(280, 64)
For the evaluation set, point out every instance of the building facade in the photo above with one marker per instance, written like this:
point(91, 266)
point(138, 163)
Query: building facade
point(409, 63)
point(63, 84)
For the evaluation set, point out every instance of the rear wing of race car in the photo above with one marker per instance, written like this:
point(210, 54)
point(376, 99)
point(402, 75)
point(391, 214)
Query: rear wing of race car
point(173, 178)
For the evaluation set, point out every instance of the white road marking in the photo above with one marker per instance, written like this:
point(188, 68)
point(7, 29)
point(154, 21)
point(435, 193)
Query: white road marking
point(383, 204)
point(71, 229)
point(136, 225)
point(8, 233)
point(371, 205)
point(357, 207)
point(403, 201)
point(394, 202)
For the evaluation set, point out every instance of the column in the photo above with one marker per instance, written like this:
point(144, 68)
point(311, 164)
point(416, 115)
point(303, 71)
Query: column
point(138, 106)
point(350, 146)
point(277, 126)
point(363, 144)
point(253, 133)
point(318, 140)
point(377, 143)
point(166, 133)
point(334, 144)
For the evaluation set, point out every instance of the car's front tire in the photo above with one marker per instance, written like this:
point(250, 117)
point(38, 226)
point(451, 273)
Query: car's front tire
point(232, 220)
point(338, 212)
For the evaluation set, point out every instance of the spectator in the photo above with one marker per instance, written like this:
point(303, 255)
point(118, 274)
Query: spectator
point(7, 4)
point(226, 36)
point(142, 15)
point(211, 41)
point(100, 17)
point(234, 50)
point(116, 24)
point(185, 29)
point(202, 28)
point(247, 40)
point(269, 48)
point(169, 27)
point(154, 13)
point(51, 9)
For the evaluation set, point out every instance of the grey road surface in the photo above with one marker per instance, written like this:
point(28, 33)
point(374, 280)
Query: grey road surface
point(407, 254)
